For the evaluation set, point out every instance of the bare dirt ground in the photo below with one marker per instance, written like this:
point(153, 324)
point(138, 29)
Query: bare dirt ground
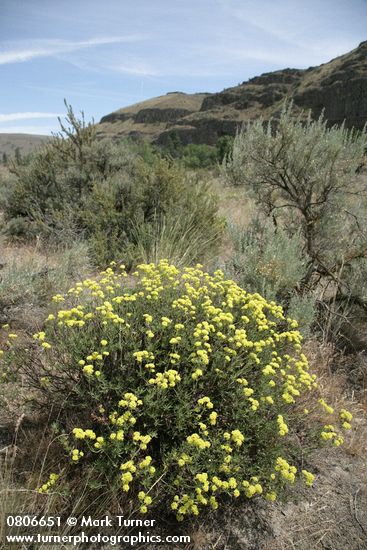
point(333, 515)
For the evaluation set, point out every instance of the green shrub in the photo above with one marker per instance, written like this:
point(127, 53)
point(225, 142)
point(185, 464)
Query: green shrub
point(266, 259)
point(189, 232)
point(303, 175)
point(52, 186)
point(199, 156)
point(224, 147)
point(158, 212)
point(114, 195)
point(301, 171)
point(176, 391)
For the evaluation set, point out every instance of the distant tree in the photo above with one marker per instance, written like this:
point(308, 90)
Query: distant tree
point(5, 159)
point(199, 155)
point(224, 146)
point(76, 131)
point(174, 144)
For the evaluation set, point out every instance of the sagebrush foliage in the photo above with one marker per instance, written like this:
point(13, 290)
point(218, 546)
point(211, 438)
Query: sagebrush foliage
point(268, 260)
point(303, 172)
point(305, 177)
point(111, 194)
point(176, 389)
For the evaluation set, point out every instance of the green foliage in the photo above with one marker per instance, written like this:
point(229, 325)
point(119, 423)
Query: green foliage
point(267, 256)
point(179, 235)
point(304, 175)
point(108, 193)
point(155, 213)
point(299, 169)
point(268, 260)
point(302, 308)
point(176, 390)
point(173, 146)
point(224, 147)
point(199, 156)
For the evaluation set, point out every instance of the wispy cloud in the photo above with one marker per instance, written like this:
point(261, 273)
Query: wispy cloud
point(20, 52)
point(72, 91)
point(11, 117)
point(35, 130)
point(137, 68)
point(288, 34)
point(189, 68)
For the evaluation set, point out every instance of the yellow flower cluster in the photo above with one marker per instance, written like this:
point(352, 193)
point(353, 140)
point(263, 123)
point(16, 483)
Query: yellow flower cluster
point(51, 481)
point(76, 455)
point(309, 478)
point(128, 468)
point(143, 440)
point(287, 471)
point(90, 369)
point(84, 434)
point(117, 436)
point(145, 463)
point(146, 500)
point(283, 428)
point(326, 407)
point(140, 356)
point(40, 336)
point(196, 441)
point(120, 420)
point(346, 418)
point(237, 437)
point(196, 374)
point(252, 489)
point(166, 379)
point(238, 368)
point(184, 459)
point(130, 401)
point(206, 402)
point(329, 434)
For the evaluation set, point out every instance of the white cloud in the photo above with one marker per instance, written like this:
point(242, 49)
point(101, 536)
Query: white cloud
point(37, 130)
point(45, 48)
point(26, 116)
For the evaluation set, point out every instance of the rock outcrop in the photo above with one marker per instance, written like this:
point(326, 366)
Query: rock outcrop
point(339, 88)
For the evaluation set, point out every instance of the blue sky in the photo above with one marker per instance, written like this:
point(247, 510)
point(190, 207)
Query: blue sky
point(106, 54)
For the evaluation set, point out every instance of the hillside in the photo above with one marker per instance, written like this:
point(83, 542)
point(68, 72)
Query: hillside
point(26, 143)
point(339, 87)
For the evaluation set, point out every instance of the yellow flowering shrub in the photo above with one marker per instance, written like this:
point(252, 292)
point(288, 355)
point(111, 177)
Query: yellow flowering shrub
point(177, 386)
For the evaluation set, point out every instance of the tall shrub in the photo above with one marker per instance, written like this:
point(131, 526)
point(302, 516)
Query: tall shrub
point(303, 175)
